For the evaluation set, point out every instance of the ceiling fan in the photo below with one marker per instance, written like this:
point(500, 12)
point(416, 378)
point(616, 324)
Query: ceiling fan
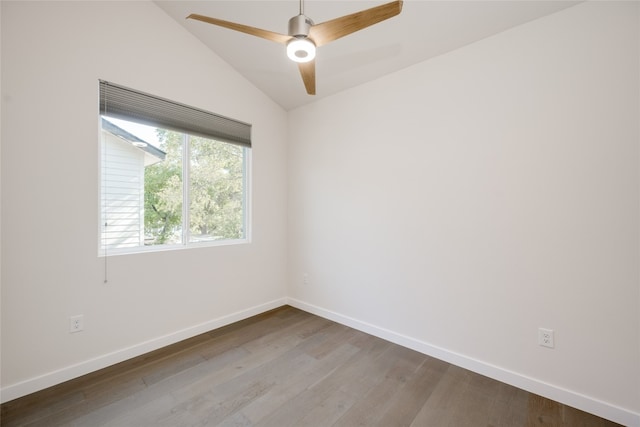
point(305, 36)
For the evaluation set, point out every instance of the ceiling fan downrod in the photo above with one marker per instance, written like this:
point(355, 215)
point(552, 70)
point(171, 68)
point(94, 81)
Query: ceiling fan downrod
point(300, 25)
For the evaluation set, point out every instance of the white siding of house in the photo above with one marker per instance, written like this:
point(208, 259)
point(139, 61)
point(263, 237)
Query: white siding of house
point(122, 194)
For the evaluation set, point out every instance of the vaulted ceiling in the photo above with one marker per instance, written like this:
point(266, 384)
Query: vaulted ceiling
point(423, 30)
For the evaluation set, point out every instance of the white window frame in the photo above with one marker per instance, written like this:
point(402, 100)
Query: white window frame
point(104, 251)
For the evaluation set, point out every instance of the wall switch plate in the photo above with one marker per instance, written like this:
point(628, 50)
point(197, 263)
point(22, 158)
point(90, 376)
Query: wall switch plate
point(76, 323)
point(545, 337)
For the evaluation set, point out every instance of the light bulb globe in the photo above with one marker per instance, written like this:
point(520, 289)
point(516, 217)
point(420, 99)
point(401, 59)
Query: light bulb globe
point(301, 50)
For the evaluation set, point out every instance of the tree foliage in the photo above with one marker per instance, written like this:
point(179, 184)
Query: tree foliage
point(215, 190)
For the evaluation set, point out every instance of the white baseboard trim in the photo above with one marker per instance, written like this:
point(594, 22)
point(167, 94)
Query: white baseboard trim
point(41, 382)
point(567, 397)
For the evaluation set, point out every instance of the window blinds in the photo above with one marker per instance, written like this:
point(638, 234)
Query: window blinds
point(129, 104)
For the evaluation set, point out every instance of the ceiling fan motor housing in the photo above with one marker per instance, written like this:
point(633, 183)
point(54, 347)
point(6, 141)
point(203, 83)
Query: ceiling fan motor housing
point(299, 26)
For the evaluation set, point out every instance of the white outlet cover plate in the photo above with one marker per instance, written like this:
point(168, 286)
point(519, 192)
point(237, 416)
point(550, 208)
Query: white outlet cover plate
point(76, 323)
point(545, 337)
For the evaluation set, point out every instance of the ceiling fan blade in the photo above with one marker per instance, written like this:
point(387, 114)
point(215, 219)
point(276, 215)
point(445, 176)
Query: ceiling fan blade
point(334, 29)
point(269, 35)
point(308, 73)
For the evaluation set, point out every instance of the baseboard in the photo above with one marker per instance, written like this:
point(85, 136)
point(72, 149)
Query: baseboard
point(567, 397)
point(32, 385)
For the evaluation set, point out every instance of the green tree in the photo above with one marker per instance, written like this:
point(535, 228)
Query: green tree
point(216, 190)
point(163, 192)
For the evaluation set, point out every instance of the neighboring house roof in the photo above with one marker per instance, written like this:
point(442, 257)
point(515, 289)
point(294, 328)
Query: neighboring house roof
point(133, 140)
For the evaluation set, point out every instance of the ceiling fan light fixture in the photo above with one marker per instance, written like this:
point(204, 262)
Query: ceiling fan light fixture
point(301, 49)
point(304, 35)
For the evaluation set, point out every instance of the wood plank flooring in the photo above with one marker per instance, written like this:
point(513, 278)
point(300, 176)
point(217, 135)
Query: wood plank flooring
point(287, 368)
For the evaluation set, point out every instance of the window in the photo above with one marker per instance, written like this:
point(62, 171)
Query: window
point(171, 175)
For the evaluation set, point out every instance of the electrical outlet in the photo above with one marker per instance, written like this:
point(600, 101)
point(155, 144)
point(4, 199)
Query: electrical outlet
point(76, 323)
point(545, 337)
point(305, 278)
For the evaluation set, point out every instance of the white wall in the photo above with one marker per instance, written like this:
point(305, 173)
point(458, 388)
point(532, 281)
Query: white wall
point(462, 203)
point(53, 54)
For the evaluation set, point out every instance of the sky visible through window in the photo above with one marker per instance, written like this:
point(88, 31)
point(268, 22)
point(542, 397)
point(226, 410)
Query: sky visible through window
point(146, 133)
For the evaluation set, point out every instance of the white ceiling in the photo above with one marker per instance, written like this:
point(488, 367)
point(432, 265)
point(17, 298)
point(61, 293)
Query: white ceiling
point(423, 30)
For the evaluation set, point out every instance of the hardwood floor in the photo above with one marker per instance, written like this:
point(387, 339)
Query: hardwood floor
point(287, 368)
